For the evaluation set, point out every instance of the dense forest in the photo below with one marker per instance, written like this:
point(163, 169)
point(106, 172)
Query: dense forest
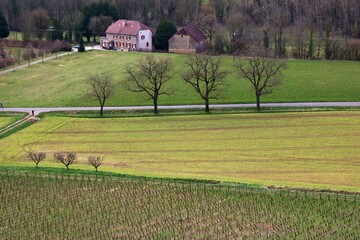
point(302, 29)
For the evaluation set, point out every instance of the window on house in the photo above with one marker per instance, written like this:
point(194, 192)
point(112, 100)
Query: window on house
point(147, 44)
point(142, 37)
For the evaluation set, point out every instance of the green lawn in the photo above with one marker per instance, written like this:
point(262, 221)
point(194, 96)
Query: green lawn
point(315, 150)
point(61, 82)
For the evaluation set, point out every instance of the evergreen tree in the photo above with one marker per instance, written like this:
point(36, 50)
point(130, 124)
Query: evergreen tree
point(164, 32)
point(4, 27)
point(81, 44)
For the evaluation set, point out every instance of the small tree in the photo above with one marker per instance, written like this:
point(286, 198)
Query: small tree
point(264, 72)
point(29, 54)
point(56, 47)
point(66, 158)
point(101, 89)
point(41, 53)
point(149, 76)
point(204, 75)
point(95, 161)
point(36, 157)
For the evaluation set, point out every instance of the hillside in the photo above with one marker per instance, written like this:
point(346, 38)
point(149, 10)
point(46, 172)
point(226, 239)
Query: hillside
point(62, 82)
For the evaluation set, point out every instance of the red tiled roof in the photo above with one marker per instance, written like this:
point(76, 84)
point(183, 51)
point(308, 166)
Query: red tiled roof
point(126, 27)
point(193, 32)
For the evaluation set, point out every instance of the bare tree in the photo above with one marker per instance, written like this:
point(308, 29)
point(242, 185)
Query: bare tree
point(204, 75)
point(101, 89)
point(39, 22)
point(95, 161)
point(36, 157)
point(99, 24)
point(149, 76)
point(29, 53)
point(264, 72)
point(66, 158)
point(206, 21)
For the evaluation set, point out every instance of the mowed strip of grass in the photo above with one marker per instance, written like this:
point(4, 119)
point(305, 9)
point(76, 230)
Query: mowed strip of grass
point(61, 82)
point(8, 118)
point(314, 150)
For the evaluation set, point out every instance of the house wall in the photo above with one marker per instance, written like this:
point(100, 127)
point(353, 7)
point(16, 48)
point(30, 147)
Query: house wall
point(125, 43)
point(144, 41)
point(181, 44)
point(132, 43)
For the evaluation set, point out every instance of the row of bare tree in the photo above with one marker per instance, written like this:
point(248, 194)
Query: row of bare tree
point(66, 158)
point(11, 54)
point(204, 73)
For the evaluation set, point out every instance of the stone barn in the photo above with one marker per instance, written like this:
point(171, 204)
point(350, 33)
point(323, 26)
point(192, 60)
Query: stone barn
point(189, 39)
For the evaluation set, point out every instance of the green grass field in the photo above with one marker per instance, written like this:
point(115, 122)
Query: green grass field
point(313, 150)
point(8, 118)
point(68, 207)
point(5, 120)
point(61, 82)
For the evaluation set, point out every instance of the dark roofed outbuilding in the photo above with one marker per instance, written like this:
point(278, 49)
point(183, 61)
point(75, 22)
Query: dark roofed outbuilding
point(188, 39)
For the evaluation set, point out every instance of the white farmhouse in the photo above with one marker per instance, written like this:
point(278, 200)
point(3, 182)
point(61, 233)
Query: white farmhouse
point(128, 35)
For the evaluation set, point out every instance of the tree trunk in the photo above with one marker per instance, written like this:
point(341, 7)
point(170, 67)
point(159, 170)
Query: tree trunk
point(96, 169)
point(156, 111)
point(67, 167)
point(258, 103)
point(36, 164)
point(207, 108)
point(101, 110)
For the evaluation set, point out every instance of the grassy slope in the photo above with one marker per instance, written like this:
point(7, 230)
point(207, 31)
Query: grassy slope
point(62, 82)
point(290, 149)
point(8, 118)
point(5, 120)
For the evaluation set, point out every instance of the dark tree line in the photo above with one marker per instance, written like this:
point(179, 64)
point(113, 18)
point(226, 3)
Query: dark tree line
point(302, 29)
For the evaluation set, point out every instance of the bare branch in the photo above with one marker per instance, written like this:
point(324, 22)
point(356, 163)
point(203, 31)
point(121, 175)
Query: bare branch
point(36, 157)
point(263, 72)
point(95, 161)
point(66, 158)
point(204, 75)
point(149, 76)
point(101, 89)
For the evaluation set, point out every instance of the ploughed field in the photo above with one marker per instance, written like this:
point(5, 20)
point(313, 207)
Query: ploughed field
point(311, 149)
point(84, 207)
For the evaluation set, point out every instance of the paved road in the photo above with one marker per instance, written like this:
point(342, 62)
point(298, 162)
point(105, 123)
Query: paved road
point(302, 104)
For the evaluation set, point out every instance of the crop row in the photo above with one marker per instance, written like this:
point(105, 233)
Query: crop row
point(89, 208)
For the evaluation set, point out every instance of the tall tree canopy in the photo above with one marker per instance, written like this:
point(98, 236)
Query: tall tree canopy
point(164, 32)
point(4, 28)
point(96, 10)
